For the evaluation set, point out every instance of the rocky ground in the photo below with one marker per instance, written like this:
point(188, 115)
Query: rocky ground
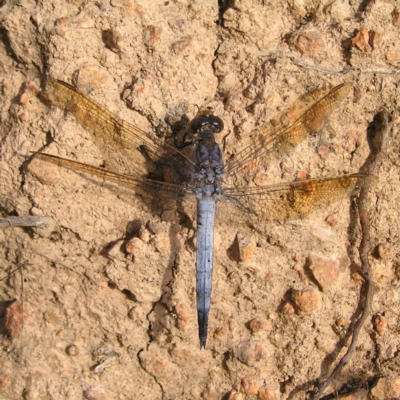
point(108, 287)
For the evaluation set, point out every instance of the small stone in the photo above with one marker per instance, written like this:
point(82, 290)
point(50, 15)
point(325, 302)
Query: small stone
point(151, 35)
point(181, 353)
point(269, 392)
point(137, 313)
point(331, 220)
point(323, 152)
point(95, 393)
point(361, 41)
point(287, 309)
point(397, 270)
point(245, 248)
point(375, 39)
point(300, 270)
point(16, 314)
point(340, 326)
point(182, 311)
point(144, 235)
point(309, 43)
point(249, 385)
point(392, 54)
point(221, 331)
point(356, 276)
point(396, 17)
point(251, 352)
point(24, 116)
point(161, 242)
point(73, 350)
point(302, 175)
point(47, 173)
point(387, 388)
point(306, 300)
point(24, 98)
point(380, 323)
point(384, 251)
point(261, 178)
point(258, 324)
point(153, 363)
point(233, 395)
point(155, 227)
point(114, 39)
point(325, 271)
point(181, 45)
point(5, 382)
point(135, 246)
point(91, 77)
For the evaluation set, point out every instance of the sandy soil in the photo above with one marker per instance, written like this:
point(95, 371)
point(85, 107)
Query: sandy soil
point(103, 323)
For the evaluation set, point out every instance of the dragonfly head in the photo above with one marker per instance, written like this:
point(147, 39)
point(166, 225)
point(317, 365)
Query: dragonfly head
point(206, 120)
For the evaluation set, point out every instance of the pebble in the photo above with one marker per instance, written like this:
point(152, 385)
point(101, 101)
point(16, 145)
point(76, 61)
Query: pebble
point(325, 271)
point(181, 45)
point(380, 323)
point(375, 39)
point(331, 220)
point(161, 242)
point(384, 251)
point(250, 352)
point(245, 248)
point(154, 364)
point(386, 388)
point(47, 173)
point(396, 17)
point(258, 324)
point(323, 152)
point(73, 350)
point(306, 300)
point(287, 309)
point(92, 77)
point(397, 270)
point(249, 385)
point(309, 43)
point(233, 395)
point(95, 393)
point(269, 392)
point(155, 227)
point(135, 246)
point(151, 35)
point(221, 331)
point(361, 41)
point(16, 314)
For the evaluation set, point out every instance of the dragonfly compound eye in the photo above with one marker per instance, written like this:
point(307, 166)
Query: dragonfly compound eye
point(197, 123)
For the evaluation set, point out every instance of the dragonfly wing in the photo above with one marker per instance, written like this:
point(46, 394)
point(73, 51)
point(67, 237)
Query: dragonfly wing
point(146, 187)
point(289, 201)
point(111, 132)
point(267, 143)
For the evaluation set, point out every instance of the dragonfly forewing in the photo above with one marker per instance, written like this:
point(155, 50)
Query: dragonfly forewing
point(111, 132)
point(267, 143)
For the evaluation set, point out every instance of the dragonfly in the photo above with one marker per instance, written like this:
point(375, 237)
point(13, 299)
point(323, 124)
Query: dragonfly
point(202, 176)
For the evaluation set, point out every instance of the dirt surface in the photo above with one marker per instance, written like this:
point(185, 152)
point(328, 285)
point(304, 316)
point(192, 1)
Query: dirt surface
point(109, 287)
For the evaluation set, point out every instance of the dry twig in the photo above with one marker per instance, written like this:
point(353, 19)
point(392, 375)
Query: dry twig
point(378, 142)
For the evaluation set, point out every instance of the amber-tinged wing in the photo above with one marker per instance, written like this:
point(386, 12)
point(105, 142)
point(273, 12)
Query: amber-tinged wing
point(110, 132)
point(267, 142)
point(292, 200)
point(146, 187)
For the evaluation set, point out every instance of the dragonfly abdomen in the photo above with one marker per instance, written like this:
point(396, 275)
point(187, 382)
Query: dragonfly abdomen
point(204, 262)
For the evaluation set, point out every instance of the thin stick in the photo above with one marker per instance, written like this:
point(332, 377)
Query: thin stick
point(28, 220)
point(378, 145)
